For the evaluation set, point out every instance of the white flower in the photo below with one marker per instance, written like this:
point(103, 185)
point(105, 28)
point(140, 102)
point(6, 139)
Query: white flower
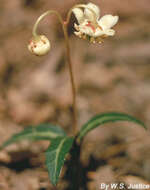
point(39, 45)
point(91, 26)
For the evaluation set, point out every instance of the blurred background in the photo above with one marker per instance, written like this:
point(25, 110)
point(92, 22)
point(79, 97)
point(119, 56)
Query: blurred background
point(113, 76)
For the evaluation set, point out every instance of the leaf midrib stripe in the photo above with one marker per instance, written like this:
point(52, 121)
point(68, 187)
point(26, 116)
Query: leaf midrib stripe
point(57, 154)
point(46, 134)
point(99, 121)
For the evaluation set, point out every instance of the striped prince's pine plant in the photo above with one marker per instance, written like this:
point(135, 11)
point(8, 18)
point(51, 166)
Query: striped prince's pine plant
point(90, 27)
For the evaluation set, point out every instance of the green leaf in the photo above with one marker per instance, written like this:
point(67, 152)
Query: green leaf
point(106, 118)
point(40, 132)
point(55, 156)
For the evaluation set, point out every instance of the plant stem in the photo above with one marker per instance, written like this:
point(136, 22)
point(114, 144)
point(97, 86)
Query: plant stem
point(34, 31)
point(65, 26)
point(68, 55)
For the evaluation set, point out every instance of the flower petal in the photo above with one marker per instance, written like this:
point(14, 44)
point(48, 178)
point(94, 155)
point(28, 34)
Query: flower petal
point(110, 32)
point(39, 45)
point(84, 29)
point(99, 33)
point(78, 14)
point(102, 33)
point(108, 21)
point(92, 14)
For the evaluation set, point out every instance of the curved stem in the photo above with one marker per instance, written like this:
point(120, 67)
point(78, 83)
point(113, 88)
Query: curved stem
point(68, 55)
point(42, 16)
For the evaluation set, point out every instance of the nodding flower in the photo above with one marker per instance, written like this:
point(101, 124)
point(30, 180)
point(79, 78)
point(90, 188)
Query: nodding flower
point(90, 26)
point(39, 45)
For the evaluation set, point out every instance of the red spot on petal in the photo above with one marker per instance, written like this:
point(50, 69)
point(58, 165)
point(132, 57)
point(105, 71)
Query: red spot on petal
point(91, 26)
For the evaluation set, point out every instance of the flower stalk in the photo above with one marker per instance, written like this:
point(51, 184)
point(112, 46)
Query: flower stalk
point(34, 31)
point(68, 53)
point(68, 56)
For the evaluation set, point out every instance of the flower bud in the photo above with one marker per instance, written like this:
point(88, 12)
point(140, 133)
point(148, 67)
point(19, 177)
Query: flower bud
point(39, 45)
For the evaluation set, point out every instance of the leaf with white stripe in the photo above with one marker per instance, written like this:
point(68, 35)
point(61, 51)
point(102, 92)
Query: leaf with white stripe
point(55, 156)
point(106, 118)
point(40, 132)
